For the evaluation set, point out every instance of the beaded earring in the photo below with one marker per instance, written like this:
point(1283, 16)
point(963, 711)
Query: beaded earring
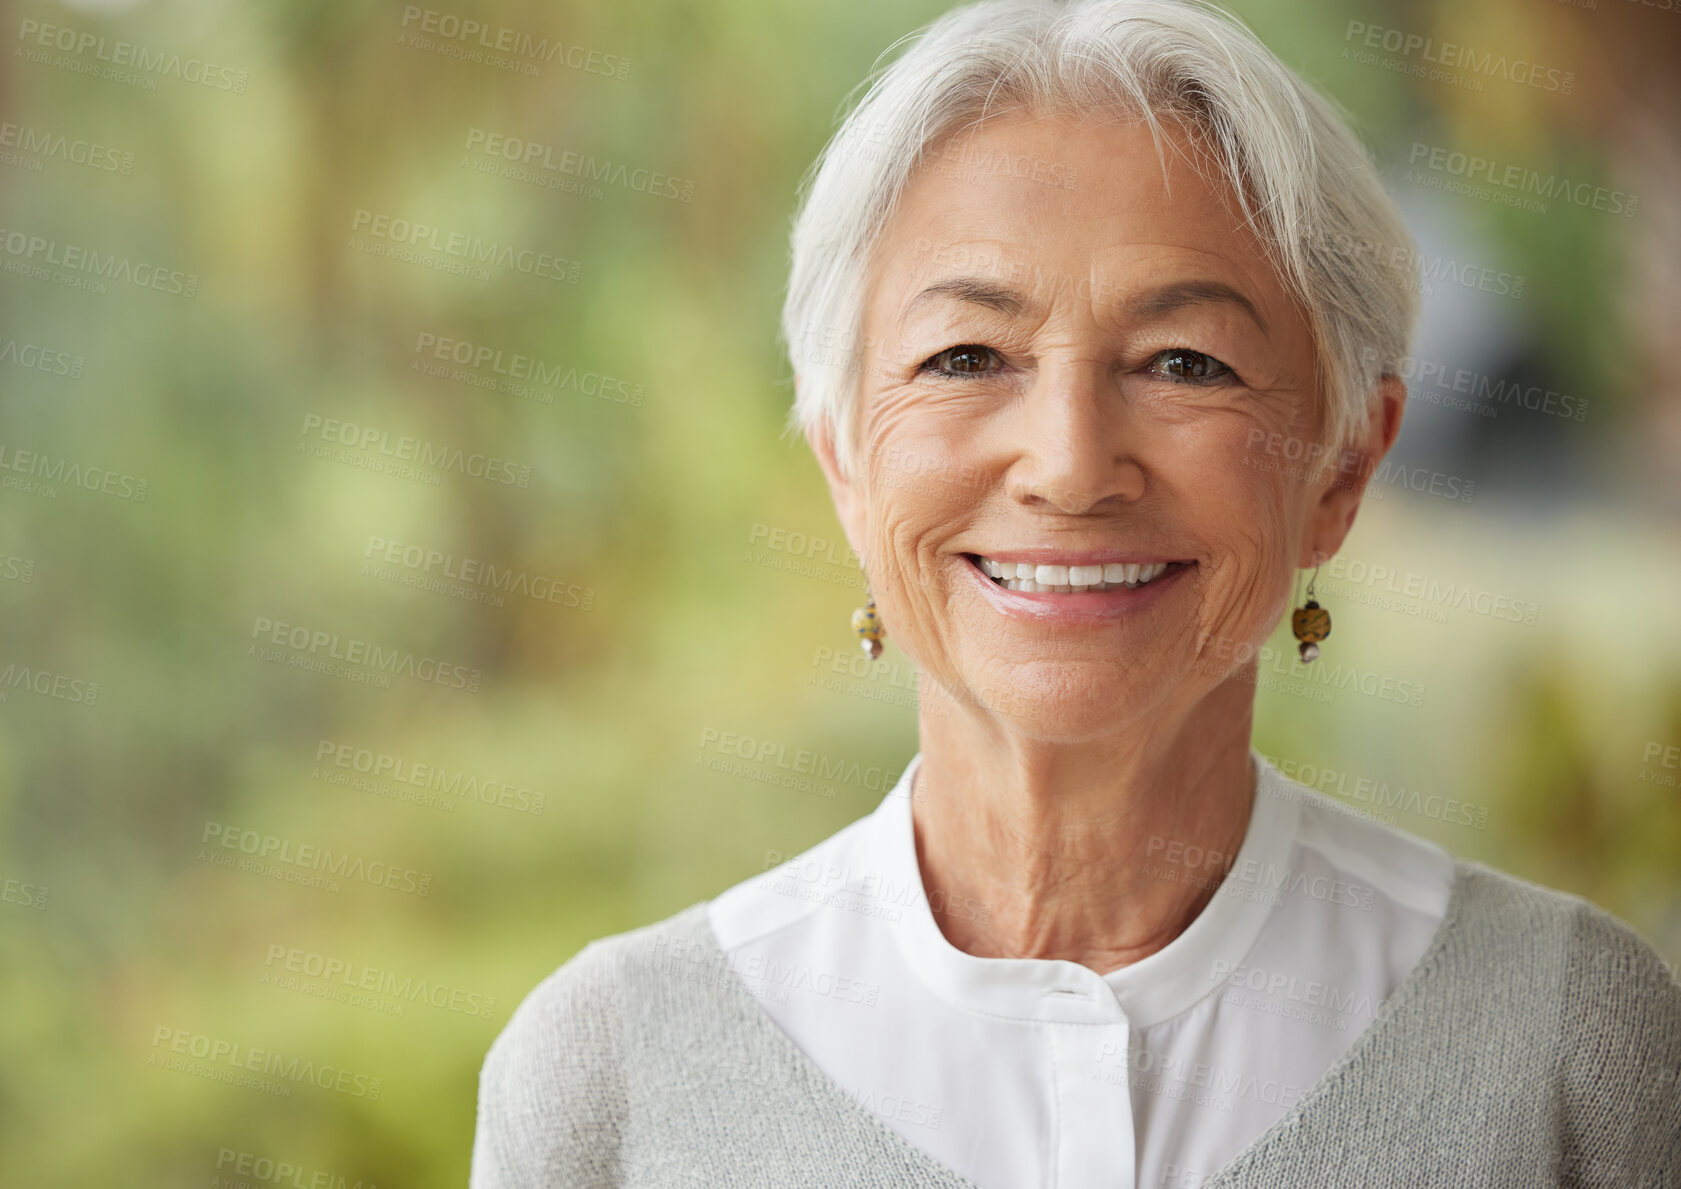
point(1310, 622)
point(867, 623)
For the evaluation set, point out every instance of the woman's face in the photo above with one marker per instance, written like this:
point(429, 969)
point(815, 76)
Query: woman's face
point(1065, 365)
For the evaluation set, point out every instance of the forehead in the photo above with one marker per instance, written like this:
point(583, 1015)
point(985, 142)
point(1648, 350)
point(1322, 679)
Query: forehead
point(1063, 203)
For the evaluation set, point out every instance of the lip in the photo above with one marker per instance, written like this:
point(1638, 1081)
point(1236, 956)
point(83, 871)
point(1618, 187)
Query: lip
point(1090, 606)
point(1050, 555)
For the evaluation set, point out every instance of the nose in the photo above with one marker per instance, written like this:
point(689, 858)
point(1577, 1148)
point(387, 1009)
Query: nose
point(1077, 451)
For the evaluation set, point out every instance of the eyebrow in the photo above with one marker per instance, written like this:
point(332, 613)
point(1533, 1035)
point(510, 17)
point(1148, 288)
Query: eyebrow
point(1148, 306)
point(975, 291)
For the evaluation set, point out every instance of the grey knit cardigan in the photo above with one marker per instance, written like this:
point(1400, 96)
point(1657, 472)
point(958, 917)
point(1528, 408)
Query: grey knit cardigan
point(1536, 1043)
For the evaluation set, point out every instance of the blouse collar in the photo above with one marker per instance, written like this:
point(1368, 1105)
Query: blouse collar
point(1142, 993)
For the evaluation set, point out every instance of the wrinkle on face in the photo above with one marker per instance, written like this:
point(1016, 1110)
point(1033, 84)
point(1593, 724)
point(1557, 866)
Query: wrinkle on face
point(1072, 441)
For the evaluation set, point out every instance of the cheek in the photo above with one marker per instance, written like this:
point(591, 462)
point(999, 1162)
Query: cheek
point(923, 481)
point(1249, 516)
point(913, 507)
point(919, 434)
point(910, 586)
point(927, 485)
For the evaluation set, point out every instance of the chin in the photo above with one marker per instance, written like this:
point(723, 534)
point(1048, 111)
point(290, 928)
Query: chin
point(1063, 701)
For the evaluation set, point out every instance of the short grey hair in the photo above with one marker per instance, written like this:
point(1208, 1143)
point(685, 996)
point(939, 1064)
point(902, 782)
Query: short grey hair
point(1305, 182)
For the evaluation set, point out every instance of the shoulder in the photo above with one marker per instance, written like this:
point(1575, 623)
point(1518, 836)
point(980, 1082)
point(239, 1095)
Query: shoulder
point(1594, 952)
point(792, 889)
point(551, 1089)
point(1584, 986)
point(1594, 969)
point(1378, 859)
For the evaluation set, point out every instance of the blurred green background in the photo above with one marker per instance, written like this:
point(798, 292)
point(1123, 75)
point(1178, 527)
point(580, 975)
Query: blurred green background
point(304, 759)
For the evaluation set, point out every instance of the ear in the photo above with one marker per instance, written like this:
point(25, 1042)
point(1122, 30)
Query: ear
point(848, 497)
point(1347, 474)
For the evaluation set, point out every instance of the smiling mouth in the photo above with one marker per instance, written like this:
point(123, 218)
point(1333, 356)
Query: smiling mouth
point(1055, 579)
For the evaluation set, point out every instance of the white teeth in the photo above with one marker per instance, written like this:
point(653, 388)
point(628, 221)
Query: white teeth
point(1025, 576)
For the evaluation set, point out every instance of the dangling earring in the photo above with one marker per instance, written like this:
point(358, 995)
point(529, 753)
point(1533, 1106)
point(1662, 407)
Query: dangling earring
point(1310, 622)
point(867, 623)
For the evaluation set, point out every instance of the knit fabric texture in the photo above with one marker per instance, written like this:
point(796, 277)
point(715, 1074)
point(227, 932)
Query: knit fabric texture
point(1536, 1043)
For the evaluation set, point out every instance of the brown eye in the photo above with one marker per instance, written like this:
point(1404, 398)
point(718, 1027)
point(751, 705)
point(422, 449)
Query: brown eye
point(970, 359)
point(1184, 366)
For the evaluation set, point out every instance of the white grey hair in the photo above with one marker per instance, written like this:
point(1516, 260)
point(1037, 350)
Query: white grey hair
point(1305, 183)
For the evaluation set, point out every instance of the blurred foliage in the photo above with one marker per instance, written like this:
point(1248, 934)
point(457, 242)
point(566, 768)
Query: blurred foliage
point(116, 925)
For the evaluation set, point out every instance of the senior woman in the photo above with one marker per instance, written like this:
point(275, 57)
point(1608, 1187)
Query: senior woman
point(1060, 286)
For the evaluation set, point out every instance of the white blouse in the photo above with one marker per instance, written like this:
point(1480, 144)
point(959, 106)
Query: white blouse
point(1019, 1072)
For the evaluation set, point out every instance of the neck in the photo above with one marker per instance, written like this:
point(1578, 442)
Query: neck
point(1076, 849)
